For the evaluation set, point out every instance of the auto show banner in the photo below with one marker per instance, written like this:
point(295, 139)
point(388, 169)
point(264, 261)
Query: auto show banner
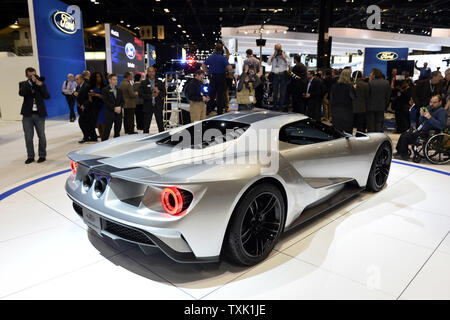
point(58, 30)
point(379, 57)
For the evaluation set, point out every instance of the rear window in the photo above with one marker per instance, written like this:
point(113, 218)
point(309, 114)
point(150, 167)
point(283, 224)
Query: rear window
point(205, 134)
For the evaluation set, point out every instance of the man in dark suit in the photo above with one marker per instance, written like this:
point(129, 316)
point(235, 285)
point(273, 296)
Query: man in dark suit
point(425, 89)
point(34, 91)
point(379, 97)
point(114, 102)
point(152, 91)
point(313, 97)
point(299, 82)
point(85, 110)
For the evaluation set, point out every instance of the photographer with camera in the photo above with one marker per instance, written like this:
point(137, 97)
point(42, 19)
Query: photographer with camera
point(34, 92)
point(280, 63)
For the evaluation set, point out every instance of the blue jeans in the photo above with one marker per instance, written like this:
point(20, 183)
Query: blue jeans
point(29, 124)
point(280, 82)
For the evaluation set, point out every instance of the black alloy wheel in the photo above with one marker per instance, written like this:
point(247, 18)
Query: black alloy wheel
point(256, 225)
point(381, 166)
point(261, 224)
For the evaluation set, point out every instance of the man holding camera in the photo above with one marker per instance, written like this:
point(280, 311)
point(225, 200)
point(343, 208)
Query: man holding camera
point(279, 62)
point(432, 118)
point(34, 92)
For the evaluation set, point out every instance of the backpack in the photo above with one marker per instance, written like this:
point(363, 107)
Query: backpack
point(184, 91)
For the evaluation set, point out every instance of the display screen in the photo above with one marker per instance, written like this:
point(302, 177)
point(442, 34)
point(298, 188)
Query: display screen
point(127, 52)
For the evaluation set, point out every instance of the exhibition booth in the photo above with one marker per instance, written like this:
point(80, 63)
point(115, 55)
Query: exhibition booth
point(58, 48)
point(348, 44)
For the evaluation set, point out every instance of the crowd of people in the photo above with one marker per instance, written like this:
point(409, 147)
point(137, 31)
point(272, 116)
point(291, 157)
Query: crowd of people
point(346, 99)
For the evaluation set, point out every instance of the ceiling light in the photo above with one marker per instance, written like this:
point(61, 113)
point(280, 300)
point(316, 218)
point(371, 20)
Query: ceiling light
point(166, 10)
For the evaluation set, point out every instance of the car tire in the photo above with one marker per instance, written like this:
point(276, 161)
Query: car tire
point(379, 172)
point(255, 226)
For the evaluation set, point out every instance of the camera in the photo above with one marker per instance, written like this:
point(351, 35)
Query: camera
point(42, 79)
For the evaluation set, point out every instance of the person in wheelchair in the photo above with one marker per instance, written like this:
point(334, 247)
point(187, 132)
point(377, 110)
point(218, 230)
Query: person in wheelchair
point(433, 117)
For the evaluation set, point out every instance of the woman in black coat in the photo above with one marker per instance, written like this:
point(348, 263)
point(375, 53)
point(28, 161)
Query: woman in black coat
point(342, 96)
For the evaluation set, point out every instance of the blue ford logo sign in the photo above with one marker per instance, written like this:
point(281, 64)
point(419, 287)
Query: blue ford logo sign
point(64, 22)
point(130, 51)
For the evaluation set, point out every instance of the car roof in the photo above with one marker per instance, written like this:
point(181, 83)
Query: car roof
point(251, 117)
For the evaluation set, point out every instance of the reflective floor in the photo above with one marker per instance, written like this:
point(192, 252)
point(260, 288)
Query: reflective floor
point(391, 245)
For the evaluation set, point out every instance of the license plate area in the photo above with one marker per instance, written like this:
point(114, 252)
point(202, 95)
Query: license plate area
point(92, 220)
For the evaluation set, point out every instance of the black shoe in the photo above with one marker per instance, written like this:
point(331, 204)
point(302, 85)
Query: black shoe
point(82, 141)
point(399, 156)
point(40, 160)
point(72, 119)
point(93, 140)
point(29, 160)
point(133, 133)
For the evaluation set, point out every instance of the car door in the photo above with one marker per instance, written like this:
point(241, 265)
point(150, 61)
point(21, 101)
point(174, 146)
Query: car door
point(321, 154)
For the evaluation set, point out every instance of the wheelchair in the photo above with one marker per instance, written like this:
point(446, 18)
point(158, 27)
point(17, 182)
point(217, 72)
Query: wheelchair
point(435, 148)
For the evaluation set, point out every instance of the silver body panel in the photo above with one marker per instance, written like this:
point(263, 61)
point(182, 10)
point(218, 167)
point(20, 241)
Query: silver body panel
point(307, 173)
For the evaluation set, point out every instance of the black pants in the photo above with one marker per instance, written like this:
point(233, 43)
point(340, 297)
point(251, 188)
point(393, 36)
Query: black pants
point(360, 121)
point(29, 124)
point(111, 119)
point(217, 87)
point(342, 119)
point(402, 118)
point(375, 121)
point(139, 117)
point(298, 102)
point(128, 120)
point(148, 115)
point(407, 138)
point(313, 109)
point(71, 102)
point(87, 122)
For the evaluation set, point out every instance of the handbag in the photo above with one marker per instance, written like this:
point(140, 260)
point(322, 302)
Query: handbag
point(246, 96)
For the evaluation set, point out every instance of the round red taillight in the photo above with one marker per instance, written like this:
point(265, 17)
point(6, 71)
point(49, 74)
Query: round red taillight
point(74, 167)
point(172, 200)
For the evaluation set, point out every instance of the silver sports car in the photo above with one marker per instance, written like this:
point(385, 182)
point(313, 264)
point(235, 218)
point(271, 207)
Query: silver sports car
point(226, 186)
